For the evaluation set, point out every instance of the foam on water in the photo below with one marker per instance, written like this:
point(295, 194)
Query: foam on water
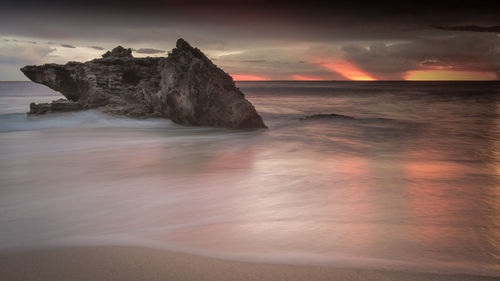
point(85, 119)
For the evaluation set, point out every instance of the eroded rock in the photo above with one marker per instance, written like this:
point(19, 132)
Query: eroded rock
point(185, 87)
point(60, 105)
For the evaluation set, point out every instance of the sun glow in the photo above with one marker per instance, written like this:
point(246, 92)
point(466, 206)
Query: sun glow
point(347, 70)
point(446, 75)
point(306, 78)
point(246, 77)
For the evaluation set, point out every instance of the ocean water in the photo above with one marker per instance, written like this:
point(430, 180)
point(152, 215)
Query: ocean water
point(411, 181)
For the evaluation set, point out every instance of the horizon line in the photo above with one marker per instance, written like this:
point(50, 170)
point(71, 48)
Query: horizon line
point(371, 81)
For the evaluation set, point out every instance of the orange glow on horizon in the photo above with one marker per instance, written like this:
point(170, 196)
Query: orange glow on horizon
point(246, 77)
point(347, 70)
point(447, 75)
point(305, 78)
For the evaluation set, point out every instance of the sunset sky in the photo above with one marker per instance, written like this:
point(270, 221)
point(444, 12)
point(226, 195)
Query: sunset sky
point(266, 40)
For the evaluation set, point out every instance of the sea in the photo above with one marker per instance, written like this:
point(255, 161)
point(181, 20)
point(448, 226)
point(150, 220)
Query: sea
point(405, 176)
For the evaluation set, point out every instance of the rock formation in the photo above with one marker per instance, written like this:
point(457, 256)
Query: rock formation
point(326, 116)
point(60, 105)
point(185, 87)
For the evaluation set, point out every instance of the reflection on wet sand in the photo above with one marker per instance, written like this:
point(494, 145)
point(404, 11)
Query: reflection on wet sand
point(412, 183)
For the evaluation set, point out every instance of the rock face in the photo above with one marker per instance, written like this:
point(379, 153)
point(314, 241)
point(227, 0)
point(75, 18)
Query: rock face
point(185, 87)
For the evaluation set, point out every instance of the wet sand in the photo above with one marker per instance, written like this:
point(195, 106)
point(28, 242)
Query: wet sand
point(135, 263)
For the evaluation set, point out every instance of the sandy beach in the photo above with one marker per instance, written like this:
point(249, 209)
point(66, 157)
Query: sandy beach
point(134, 263)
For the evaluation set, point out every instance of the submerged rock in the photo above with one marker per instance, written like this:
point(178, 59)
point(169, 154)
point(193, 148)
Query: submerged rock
point(327, 116)
point(60, 105)
point(185, 87)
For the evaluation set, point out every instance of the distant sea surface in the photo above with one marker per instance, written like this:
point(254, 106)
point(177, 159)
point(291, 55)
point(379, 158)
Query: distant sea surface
point(407, 179)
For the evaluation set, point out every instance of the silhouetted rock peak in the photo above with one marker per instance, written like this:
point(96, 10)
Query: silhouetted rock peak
point(183, 48)
point(118, 52)
point(183, 44)
point(185, 87)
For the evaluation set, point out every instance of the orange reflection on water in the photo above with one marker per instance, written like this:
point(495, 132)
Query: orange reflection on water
point(231, 160)
point(350, 165)
point(443, 215)
point(435, 169)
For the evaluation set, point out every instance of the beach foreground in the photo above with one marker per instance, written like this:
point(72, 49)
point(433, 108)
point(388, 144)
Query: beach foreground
point(135, 263)
point(395, 176)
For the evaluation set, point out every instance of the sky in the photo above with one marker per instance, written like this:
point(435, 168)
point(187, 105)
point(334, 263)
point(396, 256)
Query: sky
point(263, 39)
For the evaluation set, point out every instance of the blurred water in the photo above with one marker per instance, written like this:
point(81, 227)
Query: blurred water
point(411, 182)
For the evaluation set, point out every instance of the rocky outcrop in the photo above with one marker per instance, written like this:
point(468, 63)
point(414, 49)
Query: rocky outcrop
point(185, 87)
point(60, 105)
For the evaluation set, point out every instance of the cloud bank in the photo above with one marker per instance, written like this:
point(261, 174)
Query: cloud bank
point(273, 39)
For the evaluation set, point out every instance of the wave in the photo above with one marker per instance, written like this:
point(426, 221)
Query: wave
point(334, 117)
point(88, 119)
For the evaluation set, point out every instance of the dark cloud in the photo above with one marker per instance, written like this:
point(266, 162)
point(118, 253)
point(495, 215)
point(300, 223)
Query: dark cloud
point(97, 48)
point(412, 34)
point(473, 28)
point(254, 61)
point(315, 10)
point(480, 53)
point(218, 20)
point(67, 46)
point(19, 41)
point(149, 51)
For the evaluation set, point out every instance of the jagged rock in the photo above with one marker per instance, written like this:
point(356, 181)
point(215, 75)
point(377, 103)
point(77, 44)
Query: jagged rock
point(60, 105)
point(39, 108)
point(196, 92)
point(118, 52)
point(116, 81)
point(185, 87)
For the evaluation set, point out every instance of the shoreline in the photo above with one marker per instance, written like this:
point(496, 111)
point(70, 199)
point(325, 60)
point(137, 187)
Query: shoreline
point(140, 263)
